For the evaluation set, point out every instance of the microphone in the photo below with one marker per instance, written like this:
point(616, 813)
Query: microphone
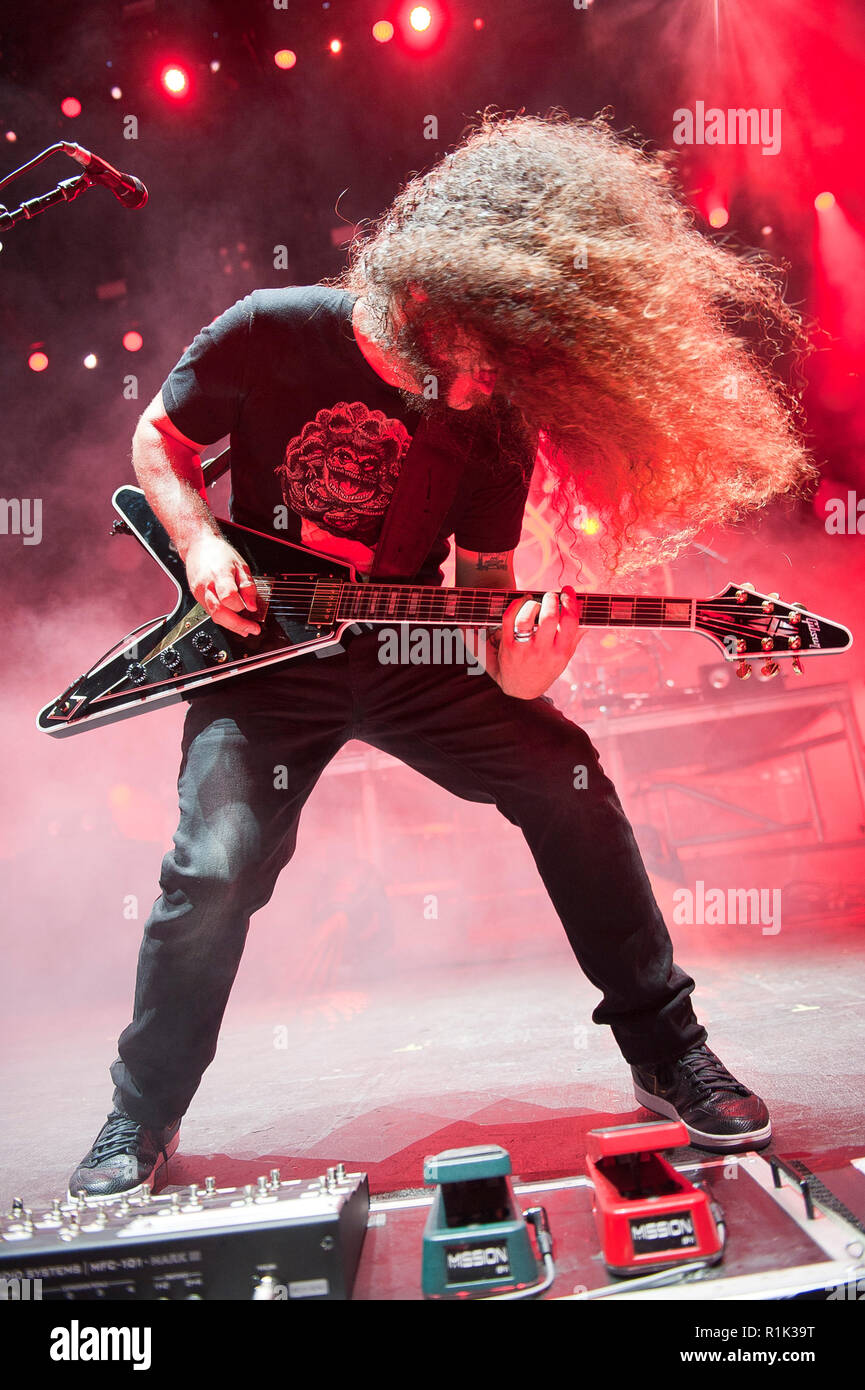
point(127, 190)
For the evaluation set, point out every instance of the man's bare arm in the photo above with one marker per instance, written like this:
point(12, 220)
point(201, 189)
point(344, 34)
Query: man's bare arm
point(482, 569)
point(168, 467)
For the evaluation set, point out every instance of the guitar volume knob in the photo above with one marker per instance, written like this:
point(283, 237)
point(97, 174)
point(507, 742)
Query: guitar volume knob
point(136, 674)
point(203, 643)
point(171, 659)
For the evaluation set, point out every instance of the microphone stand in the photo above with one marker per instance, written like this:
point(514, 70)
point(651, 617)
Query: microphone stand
point(64, 192)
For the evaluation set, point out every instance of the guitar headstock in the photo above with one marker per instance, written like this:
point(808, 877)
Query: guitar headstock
point(745, 623)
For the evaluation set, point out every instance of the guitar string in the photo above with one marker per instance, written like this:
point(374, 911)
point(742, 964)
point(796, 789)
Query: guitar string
point(716, 629)
point(464, 596)
point(431, 591)
point(312, 582)
point(600, 616)
point(425, 602)
point(471, 596)
point(596, 611)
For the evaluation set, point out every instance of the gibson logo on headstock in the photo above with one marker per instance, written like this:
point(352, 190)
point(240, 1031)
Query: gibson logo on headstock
point(814, 630)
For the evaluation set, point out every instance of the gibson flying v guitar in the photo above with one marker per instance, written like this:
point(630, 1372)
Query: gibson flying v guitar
point(307, 601)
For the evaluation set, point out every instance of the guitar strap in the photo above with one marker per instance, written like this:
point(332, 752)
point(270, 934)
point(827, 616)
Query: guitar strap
point(425, 490)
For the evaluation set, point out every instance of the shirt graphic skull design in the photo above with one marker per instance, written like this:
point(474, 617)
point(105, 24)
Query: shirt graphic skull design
point(340, 473)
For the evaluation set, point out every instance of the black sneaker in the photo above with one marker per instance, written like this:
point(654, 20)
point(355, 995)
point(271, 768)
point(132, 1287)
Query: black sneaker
point(125, 1157)
point(718, 1112)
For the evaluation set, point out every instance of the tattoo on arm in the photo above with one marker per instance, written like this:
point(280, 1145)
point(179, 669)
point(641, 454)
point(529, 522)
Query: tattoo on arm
point(496, 561)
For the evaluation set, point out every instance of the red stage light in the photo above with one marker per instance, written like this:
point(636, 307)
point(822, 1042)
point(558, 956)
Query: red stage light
point(285, 58)
point(11, 136)
point(70, 106)
point(132, 341)
point(824, 201)
point(37, 361)
point(719, 217)
point(382, 30)
point(175, 80)
point(422, 27)
point(335, 45)
point(478, 23)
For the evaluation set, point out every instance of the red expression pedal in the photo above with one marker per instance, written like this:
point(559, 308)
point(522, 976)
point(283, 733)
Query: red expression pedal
point(648, 1216)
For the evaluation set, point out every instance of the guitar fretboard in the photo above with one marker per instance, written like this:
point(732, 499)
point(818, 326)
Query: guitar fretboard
point(382, 603)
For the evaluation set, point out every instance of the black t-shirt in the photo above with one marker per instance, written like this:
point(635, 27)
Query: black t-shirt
point(317, 437)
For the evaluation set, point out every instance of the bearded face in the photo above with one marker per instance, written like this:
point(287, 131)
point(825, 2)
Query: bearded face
point(341, 470)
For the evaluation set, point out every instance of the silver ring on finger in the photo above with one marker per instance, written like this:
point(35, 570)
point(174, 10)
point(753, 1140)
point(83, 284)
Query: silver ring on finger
point(523, 636)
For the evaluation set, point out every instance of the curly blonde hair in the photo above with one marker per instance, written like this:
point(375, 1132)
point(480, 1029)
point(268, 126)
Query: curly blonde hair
point(615, 328)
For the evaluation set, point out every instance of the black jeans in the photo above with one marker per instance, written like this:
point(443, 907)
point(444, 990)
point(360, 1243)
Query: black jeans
point(238, 824)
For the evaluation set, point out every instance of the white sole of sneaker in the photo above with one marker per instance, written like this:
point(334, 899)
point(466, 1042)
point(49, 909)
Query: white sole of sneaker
point(718, 1143)
point(148, 1186)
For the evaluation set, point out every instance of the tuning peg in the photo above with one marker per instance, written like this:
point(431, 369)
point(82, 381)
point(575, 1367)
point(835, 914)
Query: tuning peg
point(770, 669)
point(795, 616)
point(797, 666)
point(743, 670)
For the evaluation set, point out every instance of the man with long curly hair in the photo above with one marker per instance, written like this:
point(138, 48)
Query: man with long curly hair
point(541, 281)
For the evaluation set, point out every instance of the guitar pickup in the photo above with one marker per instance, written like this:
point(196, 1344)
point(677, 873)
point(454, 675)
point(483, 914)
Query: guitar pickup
point(325, 602)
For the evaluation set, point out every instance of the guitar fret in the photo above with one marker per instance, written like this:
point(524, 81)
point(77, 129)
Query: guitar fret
point(677, 611)
point(622, 610)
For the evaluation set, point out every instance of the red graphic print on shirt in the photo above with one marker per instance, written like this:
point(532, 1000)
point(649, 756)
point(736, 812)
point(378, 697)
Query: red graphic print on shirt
point(341, 470)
